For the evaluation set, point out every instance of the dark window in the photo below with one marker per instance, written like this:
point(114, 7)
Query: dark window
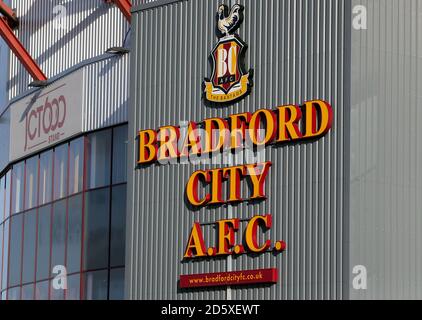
point(58, 234)
point(7, 195)
point(41, 290)
point(56, 294)
point(31, 183)
point(5, 255)
point(74, 234)
point(118, 222)
point(96, 285)
point(46, 177)
point(120, 135)
point(55, 220)
point(99, 158)
point(60, 171)
point(73, 287)
point(2, 198)
point(18, 186)
point(1, 253)
point(30, 224)
point(15, 250)
point(14, 293)
point(43, 251)
point(96, 229)
point(28, 292)
point(117, 284)
point(76, 160)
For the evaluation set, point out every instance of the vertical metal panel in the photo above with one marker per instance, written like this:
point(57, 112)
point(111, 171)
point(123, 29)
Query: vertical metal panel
point(88, 28)
point(297, 51)
point(386, 152)
point(5, 140)
point(106, 93)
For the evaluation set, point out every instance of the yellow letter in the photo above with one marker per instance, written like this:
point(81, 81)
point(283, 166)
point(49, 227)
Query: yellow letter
point(226, 238)
point(147, 146)
point(258, 174)
point(326, 118)
point(196, 242)
point(288, 118)
point(251, 233)
point(168, 138)
point(192, 188)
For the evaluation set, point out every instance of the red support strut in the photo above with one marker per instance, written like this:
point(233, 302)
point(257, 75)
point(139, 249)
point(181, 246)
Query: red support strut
point(124, 6)
point(19, 50)
point(9, 14)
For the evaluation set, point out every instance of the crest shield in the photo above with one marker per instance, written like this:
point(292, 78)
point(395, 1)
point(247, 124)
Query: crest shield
point(229, 81)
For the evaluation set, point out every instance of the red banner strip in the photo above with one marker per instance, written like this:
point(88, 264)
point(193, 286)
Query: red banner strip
point(234, 278)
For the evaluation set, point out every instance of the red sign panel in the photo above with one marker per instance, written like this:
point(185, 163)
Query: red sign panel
point(234, 278)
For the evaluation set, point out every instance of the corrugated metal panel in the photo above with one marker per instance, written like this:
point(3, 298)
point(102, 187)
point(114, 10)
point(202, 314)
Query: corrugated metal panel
point(386, 150)
point(88, 29)
point(137, 2)
point(297, 51)
point(106, 90)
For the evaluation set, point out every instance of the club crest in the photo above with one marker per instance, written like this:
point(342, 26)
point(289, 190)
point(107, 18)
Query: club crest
point(229, 81)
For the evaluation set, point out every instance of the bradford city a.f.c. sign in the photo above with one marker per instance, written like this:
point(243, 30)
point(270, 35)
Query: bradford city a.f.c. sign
point(229, 81)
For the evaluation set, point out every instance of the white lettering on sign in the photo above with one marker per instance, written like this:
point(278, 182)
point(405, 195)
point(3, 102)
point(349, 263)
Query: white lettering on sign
point(47, 117)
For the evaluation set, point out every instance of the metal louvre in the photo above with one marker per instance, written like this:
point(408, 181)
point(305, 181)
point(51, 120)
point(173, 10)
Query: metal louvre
point(297, 49)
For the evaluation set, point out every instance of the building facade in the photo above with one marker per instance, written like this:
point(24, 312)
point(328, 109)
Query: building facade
point(213, 149)
point(63, 154)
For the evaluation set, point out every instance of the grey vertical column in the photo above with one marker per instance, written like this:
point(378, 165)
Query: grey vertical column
point(386, 151)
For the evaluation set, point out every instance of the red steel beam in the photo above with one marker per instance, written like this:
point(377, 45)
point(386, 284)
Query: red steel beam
point(9, 14)
point(124, 6)
point(19, 50)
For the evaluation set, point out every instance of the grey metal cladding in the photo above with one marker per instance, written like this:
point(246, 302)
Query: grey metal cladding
point(386, 150)
point(87, 30)
point(106, 93)
point(297, 49)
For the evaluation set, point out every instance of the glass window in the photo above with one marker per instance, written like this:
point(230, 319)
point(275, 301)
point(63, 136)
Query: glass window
point(46, 177)
point(96, 285)
point(1, 253)
point(41, 290)
point(56, 294)
point(14, 293)
point(118, 222)
point(73, 287)
point(15, 250)
point(120, 141)
point(60, 171)
point(30, 224)
point(2, 198)
point(18, 186)
point(74, 234)
point(7, 195)
point(31, 186)
point(58, 234)
point(4, 295)
point(99, 156)
point(96, 229)
point(76, 160)
point(28, 292)
point(43, 242)
point(5, 255)
point(117, 284)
